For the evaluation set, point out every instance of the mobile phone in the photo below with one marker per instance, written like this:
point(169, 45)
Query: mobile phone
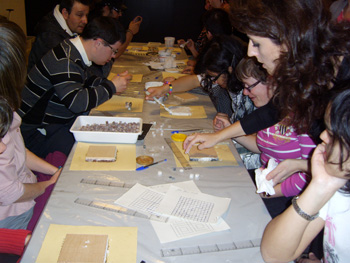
point(137, 19)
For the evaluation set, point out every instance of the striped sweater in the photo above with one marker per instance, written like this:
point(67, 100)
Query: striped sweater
point(289, 145)
point(60, 87)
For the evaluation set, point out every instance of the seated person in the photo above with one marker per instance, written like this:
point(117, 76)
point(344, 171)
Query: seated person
point(60, 87)
point(325, 202)
point(201, 39)
point(247, 71)
point(115, 9)
point(215, 73)
point(68, 19)
point(216, 23)
point(279, 142)
point(19, 186)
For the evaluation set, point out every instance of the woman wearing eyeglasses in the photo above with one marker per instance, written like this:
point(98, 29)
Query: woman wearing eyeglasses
point(279, 142)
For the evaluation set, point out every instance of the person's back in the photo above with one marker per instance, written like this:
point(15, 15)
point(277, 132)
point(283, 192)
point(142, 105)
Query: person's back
point(66, 20)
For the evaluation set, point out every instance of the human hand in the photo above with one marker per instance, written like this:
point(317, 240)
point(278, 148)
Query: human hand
point(121, 81)
point(26, 241)
point(169, 79)
point(156, 92)
point(181, 41)
point(285, 169)
point(190, 44)
point(312, 259)
point(206, 140)
point(55, 176)
point(134, 25)
point(320, 176)
point(188, 70)
point(191, 63)
point(221, 121)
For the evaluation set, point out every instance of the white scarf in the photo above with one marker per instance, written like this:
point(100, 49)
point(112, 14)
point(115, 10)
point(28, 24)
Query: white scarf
point(59, 17)
point(79, 45)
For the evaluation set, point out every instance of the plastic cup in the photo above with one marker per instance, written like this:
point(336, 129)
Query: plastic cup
point(169, 41)
point(163, 54)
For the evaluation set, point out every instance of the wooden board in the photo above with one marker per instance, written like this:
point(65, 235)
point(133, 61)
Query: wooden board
point(84, 248)
point(225, 155)
point(208, 154)
point(122, 241)
point(101, 153)
point(126, 160)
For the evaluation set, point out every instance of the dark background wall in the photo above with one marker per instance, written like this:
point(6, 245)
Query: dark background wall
point(161, 18)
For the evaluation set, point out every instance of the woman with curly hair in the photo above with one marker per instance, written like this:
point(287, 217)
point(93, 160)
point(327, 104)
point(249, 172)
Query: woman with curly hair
point(305, 54)
point(312, 54)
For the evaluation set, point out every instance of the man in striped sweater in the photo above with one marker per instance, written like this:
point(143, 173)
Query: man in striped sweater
point(61, 86)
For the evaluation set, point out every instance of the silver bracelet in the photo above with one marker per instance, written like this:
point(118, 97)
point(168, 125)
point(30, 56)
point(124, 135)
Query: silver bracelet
point(301, 212)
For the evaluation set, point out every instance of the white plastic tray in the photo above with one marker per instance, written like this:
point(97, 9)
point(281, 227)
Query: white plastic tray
point(104, 137)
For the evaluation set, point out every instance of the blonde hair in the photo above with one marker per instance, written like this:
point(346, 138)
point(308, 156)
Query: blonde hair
point(12, 62)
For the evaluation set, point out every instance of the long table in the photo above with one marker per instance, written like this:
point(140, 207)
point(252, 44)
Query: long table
point(246, 216)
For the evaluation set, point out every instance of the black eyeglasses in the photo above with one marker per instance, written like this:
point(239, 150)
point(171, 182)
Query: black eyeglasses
point(213, 79)
point(249, 88)
point(115, 51)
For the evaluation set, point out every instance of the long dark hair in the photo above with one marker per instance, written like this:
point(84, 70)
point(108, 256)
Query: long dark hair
point(306, 71)
point(221, 53)
point(339, 115)
point(6, 117)
point(12, 62)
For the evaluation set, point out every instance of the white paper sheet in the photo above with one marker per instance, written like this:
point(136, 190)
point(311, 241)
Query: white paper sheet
point(141, 198)
point(148, 199)
point(197, 207)
point(177, 229)
point(188, 186)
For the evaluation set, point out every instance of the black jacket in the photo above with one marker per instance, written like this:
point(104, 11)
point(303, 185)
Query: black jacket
point(49, 34)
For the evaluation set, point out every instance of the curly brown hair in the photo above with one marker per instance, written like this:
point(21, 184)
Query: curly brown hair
point(315, 48)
